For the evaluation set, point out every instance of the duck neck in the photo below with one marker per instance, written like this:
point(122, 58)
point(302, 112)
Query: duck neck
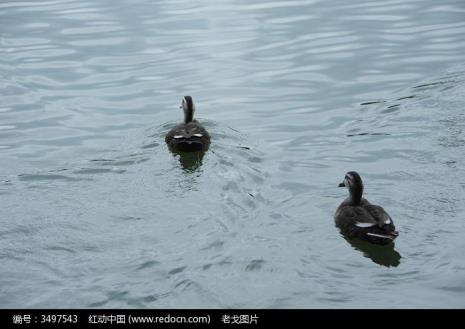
point(356, 195)
point(188, 115)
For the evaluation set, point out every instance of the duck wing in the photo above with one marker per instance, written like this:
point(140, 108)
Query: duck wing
point(191, 130)
point(196, 130)
point(355, 215)
point(380, 215)
point(176, 133)
point(188, 137)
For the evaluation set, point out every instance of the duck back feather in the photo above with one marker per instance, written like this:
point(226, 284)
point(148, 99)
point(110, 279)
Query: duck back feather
point(188, 137)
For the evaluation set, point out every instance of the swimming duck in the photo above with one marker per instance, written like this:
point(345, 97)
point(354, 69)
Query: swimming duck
point(188, 136)
point(358, 218)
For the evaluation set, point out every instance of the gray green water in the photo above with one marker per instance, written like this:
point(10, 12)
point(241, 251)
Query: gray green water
point(95, 212)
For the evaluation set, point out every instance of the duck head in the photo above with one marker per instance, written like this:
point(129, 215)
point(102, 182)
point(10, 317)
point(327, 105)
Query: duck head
point(354, 184)
point(188, 107)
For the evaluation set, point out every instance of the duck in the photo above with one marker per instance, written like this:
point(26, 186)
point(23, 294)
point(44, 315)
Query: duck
point(189, 136)
point(357, 218)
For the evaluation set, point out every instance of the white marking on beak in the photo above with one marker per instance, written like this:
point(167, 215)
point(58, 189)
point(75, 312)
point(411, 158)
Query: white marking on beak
point(198, 135)
point(364, 225)
point(387, 221)
point(178, 136)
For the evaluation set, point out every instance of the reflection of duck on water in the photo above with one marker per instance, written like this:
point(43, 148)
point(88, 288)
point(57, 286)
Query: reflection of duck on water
point(190, 161)
point(188, 136)
point(358, 218)
point(382, 255)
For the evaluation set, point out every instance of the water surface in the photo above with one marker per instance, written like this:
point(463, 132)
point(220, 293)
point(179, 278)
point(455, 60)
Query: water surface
point(97, 213)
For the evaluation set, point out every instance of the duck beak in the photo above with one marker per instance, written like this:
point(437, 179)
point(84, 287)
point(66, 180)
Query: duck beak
point(341, 184)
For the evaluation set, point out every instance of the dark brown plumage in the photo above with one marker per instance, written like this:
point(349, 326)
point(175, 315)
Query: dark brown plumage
point(356, 217)
point(189, 136)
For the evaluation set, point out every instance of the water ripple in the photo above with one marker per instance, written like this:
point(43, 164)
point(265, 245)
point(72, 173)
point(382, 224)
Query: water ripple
point(294, 93)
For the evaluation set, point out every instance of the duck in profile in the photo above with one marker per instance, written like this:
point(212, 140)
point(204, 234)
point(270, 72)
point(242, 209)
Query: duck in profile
point(188, 136)
point(358, 218)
